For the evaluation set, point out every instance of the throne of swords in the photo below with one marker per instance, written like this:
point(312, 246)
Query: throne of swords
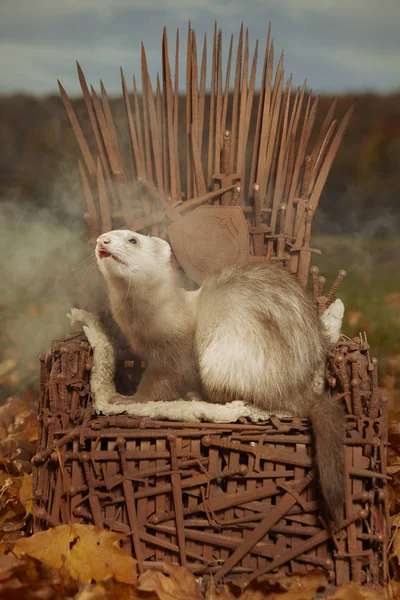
point(229, 173)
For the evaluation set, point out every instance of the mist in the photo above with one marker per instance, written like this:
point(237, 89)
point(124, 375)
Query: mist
point(45, 261)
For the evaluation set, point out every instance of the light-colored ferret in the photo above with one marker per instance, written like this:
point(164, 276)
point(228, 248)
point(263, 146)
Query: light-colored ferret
point(249, 333)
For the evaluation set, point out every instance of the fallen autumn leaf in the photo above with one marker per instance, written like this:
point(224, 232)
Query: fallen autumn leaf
point(87, 552)
point(180, 585)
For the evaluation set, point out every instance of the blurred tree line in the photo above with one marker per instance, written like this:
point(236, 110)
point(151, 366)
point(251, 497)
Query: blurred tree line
point(38, 161)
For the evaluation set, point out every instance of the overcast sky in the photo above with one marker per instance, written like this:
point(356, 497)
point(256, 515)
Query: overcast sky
point(339, 45)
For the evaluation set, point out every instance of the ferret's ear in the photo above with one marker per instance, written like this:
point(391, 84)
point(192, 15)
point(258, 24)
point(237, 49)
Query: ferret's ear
point(162, 249)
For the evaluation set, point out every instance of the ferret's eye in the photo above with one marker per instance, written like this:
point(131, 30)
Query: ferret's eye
point(133, 241)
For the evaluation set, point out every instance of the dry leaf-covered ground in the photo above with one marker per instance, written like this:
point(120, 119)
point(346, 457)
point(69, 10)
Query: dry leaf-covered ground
point(86, 563)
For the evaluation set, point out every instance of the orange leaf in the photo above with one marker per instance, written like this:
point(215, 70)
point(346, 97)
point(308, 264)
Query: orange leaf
point(395, 520)
point(393, 363)
point(8, 563)
point(353, 591)
point(26, 493)
point(353, 317)
point(87, 552)
point(395, 544)
point(393, 299)
point(288, 587)
point(180, 585)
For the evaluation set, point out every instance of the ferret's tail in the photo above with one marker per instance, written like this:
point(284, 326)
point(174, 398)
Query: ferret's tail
point(327, 418)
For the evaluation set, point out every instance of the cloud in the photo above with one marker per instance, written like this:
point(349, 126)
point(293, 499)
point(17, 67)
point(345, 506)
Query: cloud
point(383, 12)
point(353, 40)
point(35, 67)
point(353, 59)
point(346, 44)
point(26, 10)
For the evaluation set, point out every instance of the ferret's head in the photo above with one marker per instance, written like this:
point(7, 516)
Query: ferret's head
point(128, 255)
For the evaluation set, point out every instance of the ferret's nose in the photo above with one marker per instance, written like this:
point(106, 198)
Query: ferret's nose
point(103, 239)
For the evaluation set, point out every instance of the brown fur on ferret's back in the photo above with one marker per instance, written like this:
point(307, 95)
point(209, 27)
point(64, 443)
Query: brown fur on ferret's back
point(259, 338)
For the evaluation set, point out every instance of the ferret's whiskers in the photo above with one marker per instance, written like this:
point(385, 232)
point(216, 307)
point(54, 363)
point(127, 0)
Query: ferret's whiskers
point(90, 258)
point(78, 273)
point(92, 287)
point(126, 296)
point(83, 253)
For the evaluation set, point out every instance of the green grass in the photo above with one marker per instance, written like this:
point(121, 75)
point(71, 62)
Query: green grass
point(372, 267)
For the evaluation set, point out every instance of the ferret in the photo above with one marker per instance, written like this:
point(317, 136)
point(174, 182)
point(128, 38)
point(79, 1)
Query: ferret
point(249, 333)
